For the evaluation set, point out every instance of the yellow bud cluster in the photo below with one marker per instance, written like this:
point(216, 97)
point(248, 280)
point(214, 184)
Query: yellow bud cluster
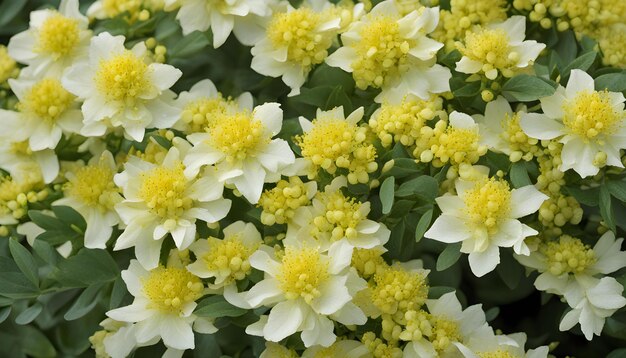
point(396, 290)
point(451, 145)
point(339, 219)
point(444, 332)
point(15, 196)
point(164, 190)
point(380, 349)
point(47, 100)
point(498, 353)
point(197, 114)
point(491, 48)
point(152, 153)
point(368, 262)
point(302, 273)
point(97, 343)
point(417, 325)
point(522, 147)
point(229, 258)
point(334, 144)
point(170, 288)
point(568, 255)
point(559, 210)
point(612, 41)
point(130, 9)
point(403, 123)
point(8, 66)
point(550, 178)
point(463, 14)
point(93, 186)
point(279, 203)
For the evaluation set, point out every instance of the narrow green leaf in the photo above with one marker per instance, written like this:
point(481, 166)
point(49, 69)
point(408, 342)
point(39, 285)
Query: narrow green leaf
point(583, 62)
point(339, 98)
point(492, 313)
point(69, 216)
point(460, 88)
point(4, 313)
point(13, 283)
point(519, 175)
point(216, 306)
point(605, 208)
point(9, 9)
point(29, 314)
point(386, 194)
point(189, 45)
point(449, 256)
point(613, 82)
point(46, 222)
point(46, 252)
point(35, 343)
point(117, 293)
point(584, 196)
point(25, 261)
point(88, 267)
point(423, 225)
point(424, 186)
point(526, 88)
point(87, 300)
point(617, 353)
point(617, 189)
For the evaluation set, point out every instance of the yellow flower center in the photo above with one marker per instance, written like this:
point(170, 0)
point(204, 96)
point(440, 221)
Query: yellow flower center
point(163, 190)
point(21, 148)
point(380, 349)
point(491, 48)
point(58, 36)
point(170, 289)
point(397, 290)
point(296, 30)
point(334, 143)
point(93, 185)
point(237, 135)
point(499, 353)
point(123, 77)
point(368, 261)
point(328, 352)
point(444, 332)
point(488, 203)
point(229, 257)
point(46, 100)
point(590, 114)
point(458, 145)
point(113, 8)
point(382, 53)
point(302, 273)
point(8, 66)
point(280, 202)
point(568, 255)
point(197, 114)
point(339, 219)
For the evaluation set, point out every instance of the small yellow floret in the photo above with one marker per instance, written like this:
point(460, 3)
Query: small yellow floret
point(279, 203)
point(380, 349)
point(197, 114)
point(398, 290)
point(58, 36)
point(339, 219)
point(47, 100)
point(93, 185)
point(382, 53)
point(488, 203)
point(568, 255)
point(164, 191)
point(444, 332)
point(590, 114)
point(113, 8)
point(237, 135)
point(8, 66)
point(458, 145)
point(123, 77)
point(302, 273)
point(491, 48)
point(368, 262)
point(498, 353)
point(297, 31)
point(521, 146)
point(229, 258)
point(170, 288)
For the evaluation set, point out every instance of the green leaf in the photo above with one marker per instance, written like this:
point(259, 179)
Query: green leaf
point(584, 196)
point(189, 45)
point(46, 222)
point(519, 175)
point(526, 88)
point(424, 186)
point(492, 313)
point(88, 267)
point(46, 252)
point(4, 313)
point(449, 256)
point(87, 300)
point(423, 225)
point(339, 98)
point(605, 208)
point(29, 314)
point(163, 142)
point(582, 63)
point(613, 82)
point(13, 283)
point(618, 353)
point(9, 9)
point(117, 293)
point(460, 88)
point(24, 261)
point(402, 167)
point(35, 343)
point(313, 96)
point(216, 306)
point(386, 194)
point(617, 189)
point(69, 216)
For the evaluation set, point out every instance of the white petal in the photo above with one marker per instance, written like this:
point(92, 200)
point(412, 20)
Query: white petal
point(552, 106)
point(177, 333)
point(276, 154)
point(540, 126)
point(578, 81)
point(221, 26)
point(525, 201)
point(264, 293)
point(271, 115)
point(164, 76)
point(342, 58)
point(284, 320)
point(467, 65)
point(448, 229)
point(334, 296)
point(132, 313)
point(484, 262)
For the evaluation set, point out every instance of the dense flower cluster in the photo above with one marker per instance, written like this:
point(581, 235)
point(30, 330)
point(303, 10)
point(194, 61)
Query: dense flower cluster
point(289, 206)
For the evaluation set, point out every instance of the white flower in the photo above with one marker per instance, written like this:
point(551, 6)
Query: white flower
point(386, 50)
point(202, 102)
point(19, 160)
point(451, 326)
point(566, 264)
point(501, 131)
point(163, 305)
point(597, 300)
point(295, 40)
point(90, 190)
point(46, 111)
point(121, 89)
point(483, 216)
point(333, 217)
point(226, 260)
point(54, 40)
point(589, 123)
point(345, 349)
point(307, 289)
point(486, 343)
point(161, 199)
point(242, 17)
point(241, 147)
point(497, 48)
